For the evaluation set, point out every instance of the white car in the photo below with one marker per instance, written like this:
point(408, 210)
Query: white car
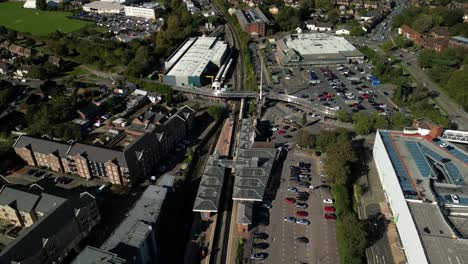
point(455, 198)
point(327, 201)
point(443, 145)
point(274, 128)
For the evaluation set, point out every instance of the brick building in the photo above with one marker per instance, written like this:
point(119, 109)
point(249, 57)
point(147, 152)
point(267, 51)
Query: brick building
point(51, 226)
point(254, 22)
point(130, 157)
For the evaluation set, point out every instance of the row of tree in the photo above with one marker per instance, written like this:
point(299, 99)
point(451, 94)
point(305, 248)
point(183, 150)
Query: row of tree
point(340, 164)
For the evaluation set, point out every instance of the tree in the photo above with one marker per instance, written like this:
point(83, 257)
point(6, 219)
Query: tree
point(380, 122)
point(399, 121)
point(456, 87)
point(41, 4)
point(216, 111)
point(422, 23)
point(333, 16)
point(362, 124)
point(304, 119)
point(357, 31)
point(343, 116)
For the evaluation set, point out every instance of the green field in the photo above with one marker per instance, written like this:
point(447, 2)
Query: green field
point(14, 16)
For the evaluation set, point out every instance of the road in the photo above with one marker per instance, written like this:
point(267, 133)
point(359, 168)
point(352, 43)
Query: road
point(379, 252)
point(453, 110)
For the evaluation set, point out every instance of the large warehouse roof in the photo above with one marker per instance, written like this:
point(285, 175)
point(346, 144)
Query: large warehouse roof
point(419, 176)
point(316, 47)
point(192, 58)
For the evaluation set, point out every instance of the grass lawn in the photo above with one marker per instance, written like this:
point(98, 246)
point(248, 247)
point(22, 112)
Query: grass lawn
point(14, 16)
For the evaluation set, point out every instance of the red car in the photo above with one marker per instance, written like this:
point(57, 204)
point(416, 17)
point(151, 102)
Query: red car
point(330, 216)
point(281, 132)
point(302, 213)
point(290, 200)
point(329, 209)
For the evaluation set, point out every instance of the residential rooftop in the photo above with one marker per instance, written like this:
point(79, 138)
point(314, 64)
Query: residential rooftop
point(133, 230)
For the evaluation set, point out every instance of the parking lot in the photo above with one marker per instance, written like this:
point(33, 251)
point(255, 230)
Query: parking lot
point(348, 89)
point(281, 243)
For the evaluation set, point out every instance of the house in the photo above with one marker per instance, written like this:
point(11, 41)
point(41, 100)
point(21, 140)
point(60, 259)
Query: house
point(437, 44)
point(411, 34)
point(4, 68)
point(371, 5)
point(356, 3)
point(50, 227)
point(439, 32)
point(57, 61)
point(343, 30)
point(23, 70)
point(154, 97)
point(20, 51)
point(370, 17)
point(458, 42)
point(314, 25)
point(343, 2)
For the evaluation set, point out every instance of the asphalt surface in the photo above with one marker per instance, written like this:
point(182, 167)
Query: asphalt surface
point(283, 247)
point(380, 252)
point(297, 85)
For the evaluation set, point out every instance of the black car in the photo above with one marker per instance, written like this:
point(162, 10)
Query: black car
point(304, 184)
point(293, 180)
point(260, 235)
point(261, 245)
point(302, 198)
point(305, 194)
point(287, 136)
point(304, 240)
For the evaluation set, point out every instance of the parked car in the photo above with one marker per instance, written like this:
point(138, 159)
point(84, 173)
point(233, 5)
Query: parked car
point(304, 240)
point(304, 184)
point(306, 194)
point(293, 189)
point(303, 222)
point(302, 213)
point(260, 235)
point(302, 205)
point(327, 201)
point(330, 216)
point(302, 198)
point(259, 256)
point(329, 209)
point(290, 200)
point(290, 219)
point(267, 205)
point(261, 245)
point(455, 198)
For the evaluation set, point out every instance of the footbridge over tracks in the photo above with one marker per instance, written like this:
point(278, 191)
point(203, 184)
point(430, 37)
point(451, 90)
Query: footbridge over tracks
point(456, 136)
point(309, 106)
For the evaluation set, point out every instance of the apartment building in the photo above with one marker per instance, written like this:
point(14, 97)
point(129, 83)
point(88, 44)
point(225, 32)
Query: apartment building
point(134, 240)
point(57, 225)
point(125, 160)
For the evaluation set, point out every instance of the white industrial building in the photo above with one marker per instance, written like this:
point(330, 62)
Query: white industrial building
point(196, 62)
point(104, 7)
point(420, 177)
point(316, 49)
point(147, 10)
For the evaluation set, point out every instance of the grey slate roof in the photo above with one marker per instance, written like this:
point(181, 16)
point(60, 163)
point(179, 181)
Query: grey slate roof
point(22, 201)
point(133, 230)
point(211, 184)
point(244, 213)
point(98, 154)
point(42, 146)
point(31, 239)
point(92, 255)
